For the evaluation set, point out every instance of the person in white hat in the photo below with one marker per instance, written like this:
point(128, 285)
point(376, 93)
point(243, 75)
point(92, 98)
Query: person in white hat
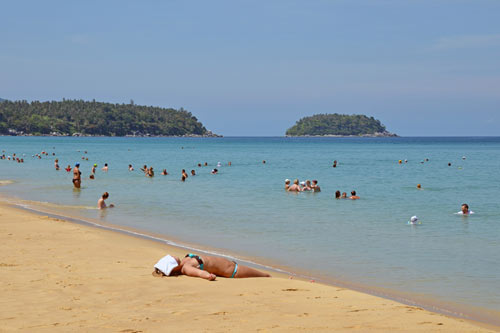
point(208, 267)
point(413, 220)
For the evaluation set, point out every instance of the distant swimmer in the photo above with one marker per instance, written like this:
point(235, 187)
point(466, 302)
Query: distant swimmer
point(229, 163)
point(68, 168)
point(105, 167)
point(206, 164)
point(414, 220)
point(219, 164)
point(101, 204)
point(315, 187)
point(164, 172)
point(56, 164)
point(184, 173)
point(193, 173)
point(77, 176)
point(465, 210)
point(199, 165)
point(400, 161)
point(144, 168)
point(449, 164)
point(463, 157)
point(353, 195)
point(287, 184)
point(337, 194)
point(150, 172)
point(295, 187)
point(130, 167)
point(419, 186)
point(93, 168)
point(305, 186)
point(264, 162)
point(215, 171)
point(343, 196)
point(334, 164)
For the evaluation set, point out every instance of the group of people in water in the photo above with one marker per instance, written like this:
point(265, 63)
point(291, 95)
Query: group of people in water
point(306, 186)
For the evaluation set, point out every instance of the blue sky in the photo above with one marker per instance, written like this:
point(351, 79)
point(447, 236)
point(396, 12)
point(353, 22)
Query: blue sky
point(255, 67)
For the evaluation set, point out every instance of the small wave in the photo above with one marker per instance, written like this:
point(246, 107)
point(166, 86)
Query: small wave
point(6, 182)
point(29, 203)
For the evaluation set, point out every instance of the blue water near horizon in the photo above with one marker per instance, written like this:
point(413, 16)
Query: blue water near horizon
point(245, 210)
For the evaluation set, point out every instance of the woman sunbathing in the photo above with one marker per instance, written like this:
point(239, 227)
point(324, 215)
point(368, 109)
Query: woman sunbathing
point(207, 267)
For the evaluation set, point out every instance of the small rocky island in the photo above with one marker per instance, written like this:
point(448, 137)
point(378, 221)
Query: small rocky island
point(339, 125)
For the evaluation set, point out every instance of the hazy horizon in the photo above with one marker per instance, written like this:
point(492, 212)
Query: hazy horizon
point(253, 68)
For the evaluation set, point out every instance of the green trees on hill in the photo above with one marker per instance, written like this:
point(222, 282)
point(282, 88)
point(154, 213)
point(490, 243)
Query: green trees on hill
point(95, 118)
point(336, 124)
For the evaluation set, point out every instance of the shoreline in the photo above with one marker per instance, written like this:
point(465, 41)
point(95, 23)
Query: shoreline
point(400, 298)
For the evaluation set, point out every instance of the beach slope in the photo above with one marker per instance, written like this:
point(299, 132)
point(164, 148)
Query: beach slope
point(61, 276)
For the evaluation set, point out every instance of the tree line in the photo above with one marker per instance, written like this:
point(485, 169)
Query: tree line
point(336, 124)
point(68, 117)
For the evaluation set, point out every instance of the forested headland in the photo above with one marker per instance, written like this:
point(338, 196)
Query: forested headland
point(338, 125)
point(78, 117)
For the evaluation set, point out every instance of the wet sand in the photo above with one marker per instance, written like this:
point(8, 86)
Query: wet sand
point(60, 276)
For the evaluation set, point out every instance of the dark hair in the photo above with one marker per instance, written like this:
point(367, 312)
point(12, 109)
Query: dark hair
point(105, 195)
point(105, 164)
point(466, 205)
point(353, 192)
point(337, 194)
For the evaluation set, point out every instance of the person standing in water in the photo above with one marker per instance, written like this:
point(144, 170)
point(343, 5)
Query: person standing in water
point(56, 164)
point(77, 176)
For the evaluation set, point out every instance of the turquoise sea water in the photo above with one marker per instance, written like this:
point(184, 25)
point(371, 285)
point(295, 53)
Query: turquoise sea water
point(244, 210)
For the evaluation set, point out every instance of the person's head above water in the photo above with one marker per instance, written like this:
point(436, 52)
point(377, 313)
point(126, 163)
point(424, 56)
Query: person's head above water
point(465, 208)
point(287, 181)
point(105, 195)
point(296, 182)
point(353, 192)
point(337, 195)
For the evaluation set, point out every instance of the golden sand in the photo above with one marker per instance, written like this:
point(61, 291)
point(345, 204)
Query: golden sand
point(61, 276)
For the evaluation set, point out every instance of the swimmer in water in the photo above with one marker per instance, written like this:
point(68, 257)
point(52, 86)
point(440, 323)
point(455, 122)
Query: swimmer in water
point(105, 167)
point(315, 187)
point(419, 186)
point(264, 162)
point(130, 167)
point(215, 171)
point(199, 165)
point(287, 184)
point(193, 173)
point(150, 173)
point(295, 187)
point(101, 204)
point(337, 194)
point(306, 186)
point(164, 172)
point(77, 176)
point(464, 210)
point(144, 168)
point(343, 196)
point(184, 173)
point(334, 164)
point(68, 168)
point(56, 164)
point(93, 168)
point(353, 195)
point(183, 179)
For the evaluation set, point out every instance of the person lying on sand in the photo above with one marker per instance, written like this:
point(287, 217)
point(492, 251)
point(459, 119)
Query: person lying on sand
point(207, 267)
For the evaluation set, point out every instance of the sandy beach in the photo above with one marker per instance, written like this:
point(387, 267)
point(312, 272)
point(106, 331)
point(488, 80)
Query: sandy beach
point(62, 276)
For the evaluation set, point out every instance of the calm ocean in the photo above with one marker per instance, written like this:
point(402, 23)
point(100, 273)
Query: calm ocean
point(244, 211)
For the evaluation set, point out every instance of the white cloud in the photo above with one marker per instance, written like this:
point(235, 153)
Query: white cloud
point(467, 41)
